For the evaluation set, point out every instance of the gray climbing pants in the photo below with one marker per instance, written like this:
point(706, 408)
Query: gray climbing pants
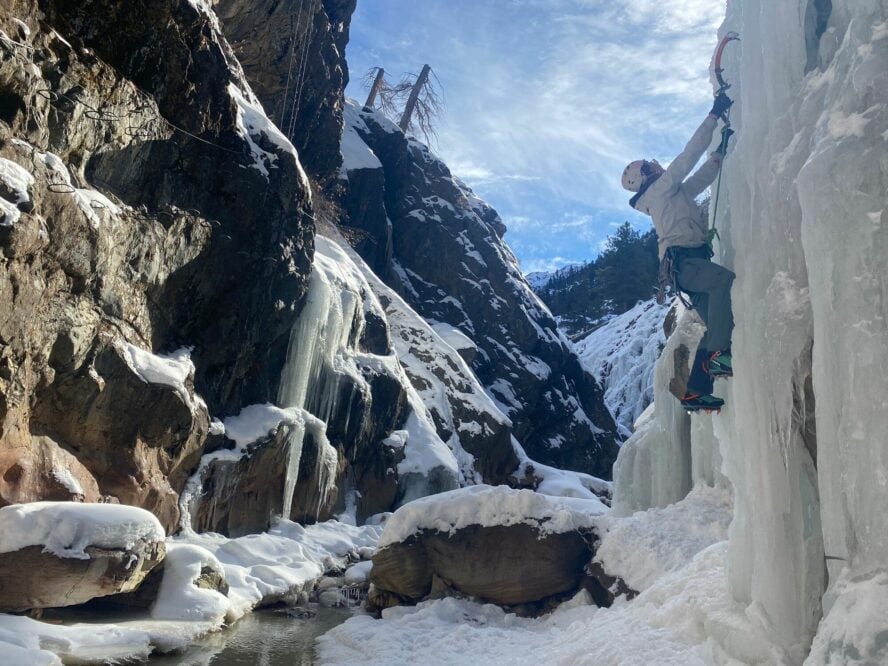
point(709, 286)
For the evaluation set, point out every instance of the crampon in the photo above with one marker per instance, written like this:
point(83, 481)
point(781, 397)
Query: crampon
point(696, 402)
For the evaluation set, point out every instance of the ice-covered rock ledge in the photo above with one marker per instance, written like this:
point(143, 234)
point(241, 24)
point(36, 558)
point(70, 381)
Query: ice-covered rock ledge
point(515, 548)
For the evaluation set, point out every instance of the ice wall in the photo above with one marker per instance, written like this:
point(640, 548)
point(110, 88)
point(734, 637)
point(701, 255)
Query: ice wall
point(660, 463)
point(803, 207)
point(803, 219)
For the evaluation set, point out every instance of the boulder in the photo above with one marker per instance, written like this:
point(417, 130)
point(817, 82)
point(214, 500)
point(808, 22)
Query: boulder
point(504, 565)
point(32, 578)
point(55, 554)
point(500, 545)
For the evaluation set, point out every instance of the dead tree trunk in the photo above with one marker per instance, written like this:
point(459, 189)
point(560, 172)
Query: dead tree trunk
point(374, 90)
point(414, 95)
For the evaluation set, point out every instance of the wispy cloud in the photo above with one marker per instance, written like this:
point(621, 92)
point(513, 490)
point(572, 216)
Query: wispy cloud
point(547, 100)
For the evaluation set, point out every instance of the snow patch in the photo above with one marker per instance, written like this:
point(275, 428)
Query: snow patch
point(489, 506)
point(66, 529)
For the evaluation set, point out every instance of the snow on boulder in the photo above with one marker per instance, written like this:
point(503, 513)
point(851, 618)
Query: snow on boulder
point(504, 546)
point(64, 553)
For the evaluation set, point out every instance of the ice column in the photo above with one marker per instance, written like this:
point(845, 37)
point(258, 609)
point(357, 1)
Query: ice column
point(655, 465)
point(776, 555)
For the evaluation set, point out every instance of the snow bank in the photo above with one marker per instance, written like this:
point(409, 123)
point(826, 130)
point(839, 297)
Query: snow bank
point(453, 336)
point(489, 506)
point(171, 370)
point(280, 563)
point(17, 179)
point(685, 619)
point(641, 548)
point(66, 529)
point(178, 597)
point(254, 422)
point(355, 153)
point(27, 642)
point(560, 482)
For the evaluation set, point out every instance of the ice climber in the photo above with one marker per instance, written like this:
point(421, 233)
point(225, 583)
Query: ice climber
point(667, 195)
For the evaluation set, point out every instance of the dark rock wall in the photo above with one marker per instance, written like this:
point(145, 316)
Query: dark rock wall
point(450, 263)
point(193, 246)
point(293, 53)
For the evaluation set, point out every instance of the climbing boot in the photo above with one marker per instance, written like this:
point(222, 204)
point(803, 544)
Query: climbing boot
point(719, 365)
point(695, 402)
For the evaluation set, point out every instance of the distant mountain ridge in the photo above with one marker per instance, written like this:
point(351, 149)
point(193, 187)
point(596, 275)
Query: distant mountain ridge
point(584, 296)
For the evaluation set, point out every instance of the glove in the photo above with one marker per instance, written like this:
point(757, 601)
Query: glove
point(721, 105)
point(723, 147)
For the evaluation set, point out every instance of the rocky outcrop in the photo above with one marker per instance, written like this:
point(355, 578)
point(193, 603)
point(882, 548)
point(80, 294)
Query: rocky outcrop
point(293, 53)
point(505, 565)
point(32, 578)
point(146, 202)
point(449, 262)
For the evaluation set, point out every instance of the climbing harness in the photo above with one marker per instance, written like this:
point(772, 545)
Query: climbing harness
point(667, 277)
point(726, 130)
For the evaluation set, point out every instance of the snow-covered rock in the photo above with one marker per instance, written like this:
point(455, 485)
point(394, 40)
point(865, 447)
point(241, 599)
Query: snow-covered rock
point(66, 553)
point(505, 546)
point(431, 239)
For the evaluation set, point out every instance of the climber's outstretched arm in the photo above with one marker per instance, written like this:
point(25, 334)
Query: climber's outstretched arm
point(704, 176)
point(681, 166)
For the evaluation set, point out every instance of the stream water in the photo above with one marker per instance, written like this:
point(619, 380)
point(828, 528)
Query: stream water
point(261, 638)
point(270, 637)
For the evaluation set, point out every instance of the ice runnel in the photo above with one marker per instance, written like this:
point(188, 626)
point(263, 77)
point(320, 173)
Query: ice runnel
point(324, 377)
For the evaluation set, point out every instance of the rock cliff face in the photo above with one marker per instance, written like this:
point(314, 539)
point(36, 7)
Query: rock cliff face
point(169, 337)
point(148, 204)
point(293, 53)
point(441, 248)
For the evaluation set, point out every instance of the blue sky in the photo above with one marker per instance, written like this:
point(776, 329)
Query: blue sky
point(546, 101)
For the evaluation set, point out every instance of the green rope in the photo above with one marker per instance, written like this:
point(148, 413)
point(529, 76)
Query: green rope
point(723, 149)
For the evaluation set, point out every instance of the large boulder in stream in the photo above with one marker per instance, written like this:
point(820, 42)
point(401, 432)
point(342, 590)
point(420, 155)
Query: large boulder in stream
point(499, 545)
point(55, 554)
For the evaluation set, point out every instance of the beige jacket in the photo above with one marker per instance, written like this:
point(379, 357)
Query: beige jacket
point(670, 199)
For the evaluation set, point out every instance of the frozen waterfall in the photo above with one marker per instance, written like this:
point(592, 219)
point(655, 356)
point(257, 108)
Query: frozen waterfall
point(803, 219)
